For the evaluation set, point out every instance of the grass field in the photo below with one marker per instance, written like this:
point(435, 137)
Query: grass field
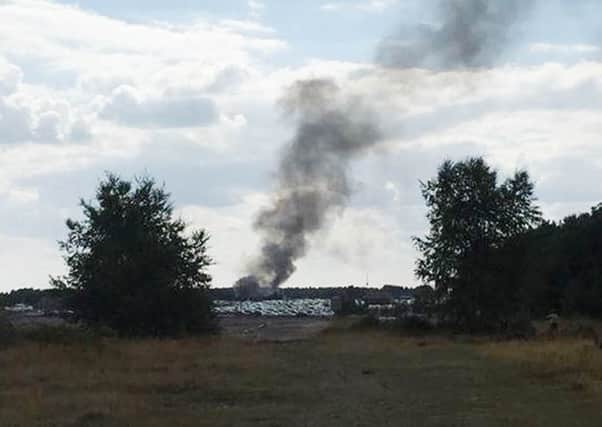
point(339, 378)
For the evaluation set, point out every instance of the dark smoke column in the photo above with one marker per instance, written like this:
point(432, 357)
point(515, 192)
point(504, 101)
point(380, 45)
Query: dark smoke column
point(312, 179)
point(471, 33)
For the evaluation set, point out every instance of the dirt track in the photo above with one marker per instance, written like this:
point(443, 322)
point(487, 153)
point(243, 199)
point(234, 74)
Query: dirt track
point(274, 329)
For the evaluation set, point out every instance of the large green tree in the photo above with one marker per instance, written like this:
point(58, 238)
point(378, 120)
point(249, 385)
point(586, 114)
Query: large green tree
point(472, 218)
point(131, 265)
point(561, 267)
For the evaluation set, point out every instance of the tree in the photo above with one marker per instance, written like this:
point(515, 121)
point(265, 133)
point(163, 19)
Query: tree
point(470, 218)
point(131, 267)
point(561, 262)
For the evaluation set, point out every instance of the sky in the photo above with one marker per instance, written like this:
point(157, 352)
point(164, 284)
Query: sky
point(190, 92)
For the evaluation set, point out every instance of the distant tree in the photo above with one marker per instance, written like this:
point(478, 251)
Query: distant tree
point(131, 267)
point(470, 218)
point(29, 296)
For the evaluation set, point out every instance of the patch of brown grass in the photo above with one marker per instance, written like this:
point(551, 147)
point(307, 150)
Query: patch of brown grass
point(132, 380)
point(342, 377)
point(576, 362)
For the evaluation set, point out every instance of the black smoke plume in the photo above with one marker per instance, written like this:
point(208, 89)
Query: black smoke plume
point(331, 130)
point(472, 33)
point(312, 178)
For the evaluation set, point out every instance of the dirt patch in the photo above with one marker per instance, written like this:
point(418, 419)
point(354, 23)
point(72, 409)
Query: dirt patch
point(273, 329)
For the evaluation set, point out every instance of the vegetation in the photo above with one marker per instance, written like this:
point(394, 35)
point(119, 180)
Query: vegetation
point(228, 294)
point(345, 377)
point(132, 268)
point(494, 266)
point(557, 266)
point(32, 297)
point(471, 216)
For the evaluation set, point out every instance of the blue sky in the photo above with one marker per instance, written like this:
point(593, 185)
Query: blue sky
point(189, 92)
point(349, 34)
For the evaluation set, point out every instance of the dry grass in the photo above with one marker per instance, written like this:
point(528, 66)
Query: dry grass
point(571, 355)
point(566, 360)
point(342, 378)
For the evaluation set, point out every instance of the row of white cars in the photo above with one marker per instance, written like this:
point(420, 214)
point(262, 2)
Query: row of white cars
point(276, 308)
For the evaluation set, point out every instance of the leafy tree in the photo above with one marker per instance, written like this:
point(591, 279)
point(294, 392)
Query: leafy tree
point(562, 270)
point(471, 217)
point(132, 268)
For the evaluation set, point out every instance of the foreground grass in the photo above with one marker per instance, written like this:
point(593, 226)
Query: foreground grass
point(576, 363)
point(358, 378)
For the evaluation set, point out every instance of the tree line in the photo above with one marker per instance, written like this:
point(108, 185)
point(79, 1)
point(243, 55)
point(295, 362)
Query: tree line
point(489, 262)
point(492, 260)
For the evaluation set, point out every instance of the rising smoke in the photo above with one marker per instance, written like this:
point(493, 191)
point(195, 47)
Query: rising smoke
point(472, 33)
point(332, 129)
point(313, 180)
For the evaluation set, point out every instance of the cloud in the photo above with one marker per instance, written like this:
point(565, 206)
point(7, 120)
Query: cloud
point(15, 123)
point(30, 116)
point(367, 6)
point(10, 78)
point(80, 42)
point(246, 27)
point(378, 250)
point(82, 93)
point(126, 106)
point(21, 121)
point(563, 48)
point(256, 8)
point(391, 187)
point(27, 262)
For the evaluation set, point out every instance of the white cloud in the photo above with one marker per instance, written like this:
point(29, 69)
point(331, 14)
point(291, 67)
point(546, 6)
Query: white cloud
point(23, 195)
point(67, 38)
point(27, 262)
point(228, 226)
point(130, 108)
point(367, 6)
point(27, 115)
point(246, 27)
point(10, 77)
point(81, 93)
point(362, 241)
point(391, 187)
point(563, 48)
point(256, 8)
point(23, 121)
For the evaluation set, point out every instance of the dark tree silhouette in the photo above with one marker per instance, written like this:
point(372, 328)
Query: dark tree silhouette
point(560, 268)
point(470, 218)
point(132, 268)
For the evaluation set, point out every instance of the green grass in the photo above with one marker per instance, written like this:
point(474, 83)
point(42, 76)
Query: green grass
point(341, 378)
